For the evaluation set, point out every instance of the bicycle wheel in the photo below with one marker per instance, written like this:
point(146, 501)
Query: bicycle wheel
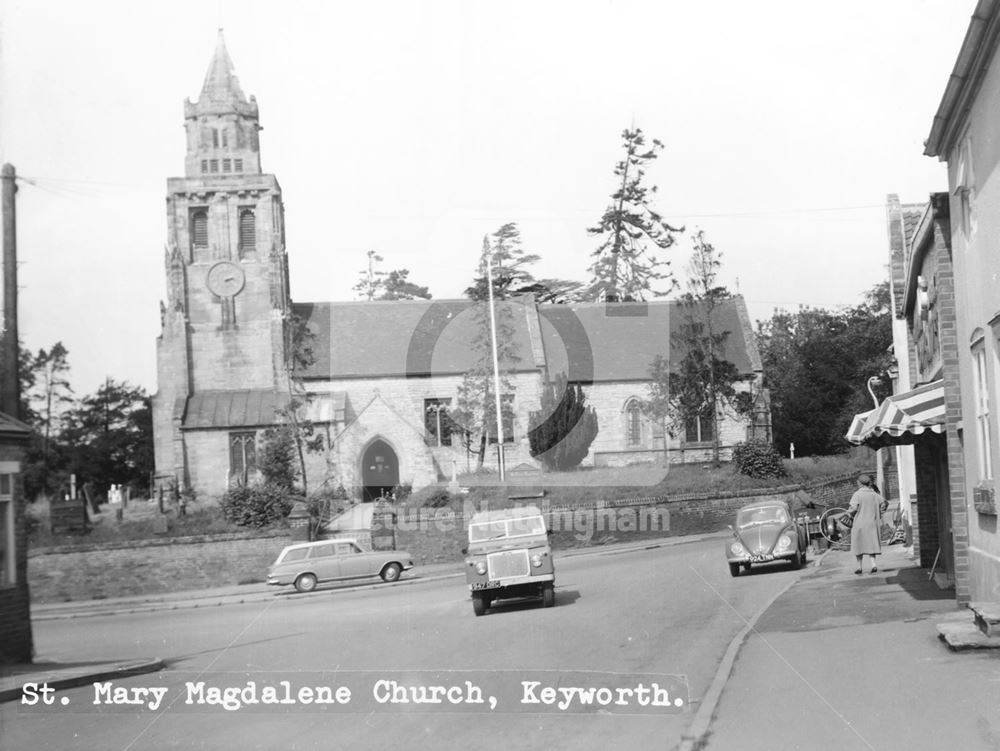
point(838, 535)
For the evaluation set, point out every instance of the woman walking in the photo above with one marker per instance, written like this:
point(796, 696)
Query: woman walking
point(867, 507)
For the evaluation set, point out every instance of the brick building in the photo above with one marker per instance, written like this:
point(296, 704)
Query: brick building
point(15, 614)
point(384, 377)
point(963, 135)
point(922, 419)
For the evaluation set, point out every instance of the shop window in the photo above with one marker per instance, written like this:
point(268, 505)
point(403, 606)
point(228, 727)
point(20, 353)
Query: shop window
point(7, 568)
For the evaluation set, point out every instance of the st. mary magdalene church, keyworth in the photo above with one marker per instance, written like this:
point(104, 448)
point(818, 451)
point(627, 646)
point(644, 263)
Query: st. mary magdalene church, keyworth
point(383, 375)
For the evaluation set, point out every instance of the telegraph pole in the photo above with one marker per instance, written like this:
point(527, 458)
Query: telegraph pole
point(10, 396)
point(496, 369)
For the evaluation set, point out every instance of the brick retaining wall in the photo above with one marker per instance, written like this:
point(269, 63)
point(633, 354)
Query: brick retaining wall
point(430, 535)
point(438, 535)
point(151, 566)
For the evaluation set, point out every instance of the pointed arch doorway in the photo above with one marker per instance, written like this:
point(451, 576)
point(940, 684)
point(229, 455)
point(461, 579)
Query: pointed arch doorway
point(379, 470)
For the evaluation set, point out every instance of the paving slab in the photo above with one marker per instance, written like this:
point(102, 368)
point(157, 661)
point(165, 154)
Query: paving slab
point(851, 662)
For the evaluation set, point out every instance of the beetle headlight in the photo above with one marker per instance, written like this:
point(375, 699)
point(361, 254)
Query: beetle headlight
point(784, 542)
point(481, 567)
point(536, 560)
point(737, 549)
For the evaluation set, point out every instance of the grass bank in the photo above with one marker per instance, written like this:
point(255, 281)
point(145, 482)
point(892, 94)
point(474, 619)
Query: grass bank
point(588, 484)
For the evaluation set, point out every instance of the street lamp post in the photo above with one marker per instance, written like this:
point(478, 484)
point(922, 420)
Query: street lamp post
point(879, 471)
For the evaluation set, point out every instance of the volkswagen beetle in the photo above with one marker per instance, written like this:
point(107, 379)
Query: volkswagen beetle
point(766, 531)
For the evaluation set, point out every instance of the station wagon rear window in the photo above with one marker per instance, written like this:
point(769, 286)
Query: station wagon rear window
point(321, 551)
point(519, 527)
point(295, 554)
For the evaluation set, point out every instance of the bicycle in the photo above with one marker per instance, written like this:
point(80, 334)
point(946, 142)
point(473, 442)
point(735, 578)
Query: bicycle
point(839, 536)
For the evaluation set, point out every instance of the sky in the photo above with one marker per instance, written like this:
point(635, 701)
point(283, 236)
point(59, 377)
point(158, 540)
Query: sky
point(414, 128)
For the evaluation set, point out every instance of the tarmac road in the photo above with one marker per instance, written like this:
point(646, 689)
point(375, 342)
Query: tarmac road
point(666, 613)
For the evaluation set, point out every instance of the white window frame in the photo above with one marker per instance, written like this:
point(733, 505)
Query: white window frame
point(965, 189)
point(981, 408)
point(8, 572)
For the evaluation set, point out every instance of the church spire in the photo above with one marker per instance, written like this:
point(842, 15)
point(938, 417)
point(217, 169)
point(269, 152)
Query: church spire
point(222, 126)
point(221, 84)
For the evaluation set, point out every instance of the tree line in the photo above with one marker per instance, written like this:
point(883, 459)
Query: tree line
point(816, 362)
point(102, 438)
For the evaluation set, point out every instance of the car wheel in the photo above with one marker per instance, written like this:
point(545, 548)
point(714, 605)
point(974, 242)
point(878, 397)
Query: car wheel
point(391, 572)
point(305, 583)
point(805, 555)
point(734, 569)
point(548, 596)
point(796, 561)
point(479, 604)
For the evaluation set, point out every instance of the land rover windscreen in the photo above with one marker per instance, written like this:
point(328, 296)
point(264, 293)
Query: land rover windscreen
point(509, 556)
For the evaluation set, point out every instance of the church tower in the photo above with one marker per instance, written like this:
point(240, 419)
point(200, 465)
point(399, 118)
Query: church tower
point(221, 350)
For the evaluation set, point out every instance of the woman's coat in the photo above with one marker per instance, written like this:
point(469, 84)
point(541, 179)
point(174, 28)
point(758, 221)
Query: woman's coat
point(864, 533)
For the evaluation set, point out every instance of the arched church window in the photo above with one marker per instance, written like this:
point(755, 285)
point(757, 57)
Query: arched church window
point(248, 232)
point(633, 423)
point(199, 228)
point(242, 455)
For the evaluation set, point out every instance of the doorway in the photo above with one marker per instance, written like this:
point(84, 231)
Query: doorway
point(379, 471)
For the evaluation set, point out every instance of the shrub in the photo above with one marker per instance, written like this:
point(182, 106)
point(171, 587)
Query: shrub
point(563, 429)
point(257, 505)
point(758, 459)
point(323, 505)
point(440, 498)
point(279, 457)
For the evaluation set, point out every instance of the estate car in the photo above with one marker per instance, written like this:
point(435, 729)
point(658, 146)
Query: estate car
point(307, 564)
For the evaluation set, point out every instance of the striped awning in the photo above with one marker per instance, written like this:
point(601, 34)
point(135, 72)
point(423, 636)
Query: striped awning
point(858, 426)
point(901, 417)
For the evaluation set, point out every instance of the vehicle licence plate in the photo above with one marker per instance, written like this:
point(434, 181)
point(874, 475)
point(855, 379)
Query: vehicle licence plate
point(761, 558)
point(485, 585)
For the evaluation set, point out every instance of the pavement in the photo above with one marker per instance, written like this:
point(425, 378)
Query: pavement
point(835, 661)
point(841, 661)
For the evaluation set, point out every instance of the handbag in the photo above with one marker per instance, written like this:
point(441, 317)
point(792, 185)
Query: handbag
point(847, 520)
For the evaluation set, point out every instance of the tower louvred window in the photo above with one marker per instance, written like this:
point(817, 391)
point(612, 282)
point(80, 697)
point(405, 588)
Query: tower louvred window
point(199, 229)
point(248, 230)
